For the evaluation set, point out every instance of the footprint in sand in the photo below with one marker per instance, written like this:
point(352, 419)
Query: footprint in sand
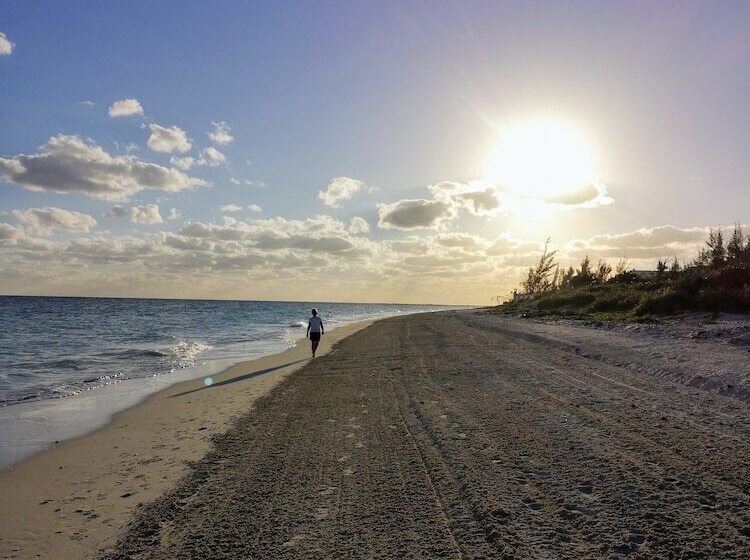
point(294, 540)
point(348, 471)
point(359, 445)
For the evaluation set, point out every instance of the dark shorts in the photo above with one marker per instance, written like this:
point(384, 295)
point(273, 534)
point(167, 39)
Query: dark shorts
point(315, 336)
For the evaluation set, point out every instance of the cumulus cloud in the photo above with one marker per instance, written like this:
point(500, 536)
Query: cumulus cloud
point(9, 231)
point(415, 214)
point(231, 208)
point(145, 214)
point(87, 103)
point(645, 243)
point(67, 164)
point(358, 225)
point(46, 220)
point(213, 157)
point(174, 214)
point(448, 199)
point(220, 133)
point(117, 212)
point(142, 214)
point(255, 208)
point(589, 196)
point(465, 241)
point(210, 157)
point(168, 139)
point(125, 108)
point(6, 47)
point(339, 188)
point(320, 233)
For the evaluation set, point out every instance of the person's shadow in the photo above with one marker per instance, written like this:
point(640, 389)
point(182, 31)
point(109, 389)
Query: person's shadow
point(240, 378)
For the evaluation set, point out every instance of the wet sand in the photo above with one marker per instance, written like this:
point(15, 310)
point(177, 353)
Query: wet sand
point(73, 500)
point(466, 435)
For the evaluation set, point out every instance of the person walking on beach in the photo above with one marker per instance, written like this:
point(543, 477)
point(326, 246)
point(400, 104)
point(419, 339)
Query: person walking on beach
point(315, 330)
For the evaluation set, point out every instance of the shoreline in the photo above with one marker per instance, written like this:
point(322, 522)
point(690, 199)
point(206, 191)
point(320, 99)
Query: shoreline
point(72, 499)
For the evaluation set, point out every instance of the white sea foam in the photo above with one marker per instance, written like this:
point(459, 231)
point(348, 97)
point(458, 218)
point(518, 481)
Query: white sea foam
point(184, 353)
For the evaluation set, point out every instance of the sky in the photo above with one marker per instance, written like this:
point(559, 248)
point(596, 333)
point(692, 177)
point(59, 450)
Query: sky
point(361, 151)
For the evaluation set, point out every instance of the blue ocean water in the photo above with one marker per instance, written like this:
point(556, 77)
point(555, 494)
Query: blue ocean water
point(58, 346)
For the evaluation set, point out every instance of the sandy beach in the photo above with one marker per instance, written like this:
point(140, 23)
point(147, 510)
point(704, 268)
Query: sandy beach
point(458, 434)
point(73, 500)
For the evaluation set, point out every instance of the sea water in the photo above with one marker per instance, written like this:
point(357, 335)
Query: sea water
point(67, 364)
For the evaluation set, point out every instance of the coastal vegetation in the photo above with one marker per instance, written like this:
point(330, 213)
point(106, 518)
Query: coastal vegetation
point(716, 280)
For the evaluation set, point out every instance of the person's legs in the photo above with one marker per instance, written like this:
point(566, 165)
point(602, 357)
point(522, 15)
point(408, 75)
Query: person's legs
point(315, 346)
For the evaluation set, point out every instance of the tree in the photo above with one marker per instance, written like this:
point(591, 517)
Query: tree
point(675, 268)
point(622, 266)
point(714, 253)
point(736, 245)
point(584, 276)
point(563, 280)
point(602, 272)
point(538, 278)
point(661, 268)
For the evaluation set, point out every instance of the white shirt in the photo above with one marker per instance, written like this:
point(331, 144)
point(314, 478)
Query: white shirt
point(316, 324)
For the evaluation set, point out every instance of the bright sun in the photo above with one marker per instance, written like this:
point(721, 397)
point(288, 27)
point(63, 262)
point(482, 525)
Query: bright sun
point(543, 159)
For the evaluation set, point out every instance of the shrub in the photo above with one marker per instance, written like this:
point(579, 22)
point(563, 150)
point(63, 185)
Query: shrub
point(723, 299)
point(564, 299)
point(661, 302)
point(615, 301)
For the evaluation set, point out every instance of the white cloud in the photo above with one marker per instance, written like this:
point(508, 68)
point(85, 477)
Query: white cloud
point(255, 208)
point(125, 108)
point(168, 139)
point(220, 134)
point(174, 214)
point(339, 188)
point(8, 231)
point(127, 148)
point(6, 47)
point(87, 103)
point(213, 157)
point(142, 214)
point(246, 182)
point(184, 163)
point(415, 214)
point(46, 220)
point(231, 208)
point(67, 164)
point(145, 214)
point(117, 212)
point(319, 233)
point(210, 157)
point(358, 225)
point(646, 243)
point(589, 196)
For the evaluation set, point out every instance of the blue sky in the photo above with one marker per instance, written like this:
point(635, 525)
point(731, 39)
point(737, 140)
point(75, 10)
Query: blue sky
point(394, 96)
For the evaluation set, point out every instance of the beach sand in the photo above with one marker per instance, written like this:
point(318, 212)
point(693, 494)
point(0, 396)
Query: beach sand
point(71, 501)
point(467, 435)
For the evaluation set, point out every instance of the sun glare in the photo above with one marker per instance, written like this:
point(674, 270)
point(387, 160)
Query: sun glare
point(542, 160)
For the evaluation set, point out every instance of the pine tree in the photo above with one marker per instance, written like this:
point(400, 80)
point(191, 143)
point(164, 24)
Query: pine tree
point(736, 245)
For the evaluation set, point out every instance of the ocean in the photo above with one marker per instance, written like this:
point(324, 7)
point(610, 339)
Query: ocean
point(53, 347)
